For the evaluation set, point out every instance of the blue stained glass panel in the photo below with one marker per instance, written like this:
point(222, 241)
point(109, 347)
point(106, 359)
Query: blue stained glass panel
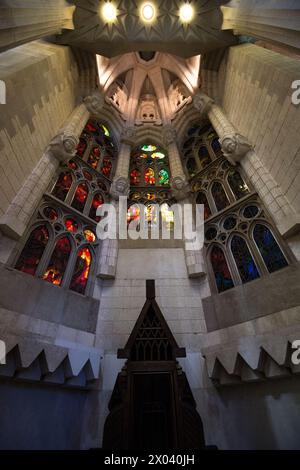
point(269, 249)
point(244, 261)
point(220, 267)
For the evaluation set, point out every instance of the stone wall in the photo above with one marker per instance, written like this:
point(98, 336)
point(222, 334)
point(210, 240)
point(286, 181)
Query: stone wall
point(41, 80)
point(257, 99)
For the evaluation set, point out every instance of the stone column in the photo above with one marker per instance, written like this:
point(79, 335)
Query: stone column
point(62, 147)
point(121, 185)
point(234, 145)
point(179, 184)
point(25, 21)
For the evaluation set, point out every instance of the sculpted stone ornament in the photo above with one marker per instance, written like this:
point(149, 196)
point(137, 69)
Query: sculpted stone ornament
point(202, 102)
point(169, 135)
point(180, 187)
point(235, 147)
point(129, 136)
point(63, 146)
point(119, 187)
point(95, 102)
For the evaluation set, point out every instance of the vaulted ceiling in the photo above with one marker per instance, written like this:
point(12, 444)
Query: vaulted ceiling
point(166, 34)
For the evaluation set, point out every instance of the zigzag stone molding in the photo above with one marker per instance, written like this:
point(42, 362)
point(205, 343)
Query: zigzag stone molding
point(35, 361)
point(253, 358)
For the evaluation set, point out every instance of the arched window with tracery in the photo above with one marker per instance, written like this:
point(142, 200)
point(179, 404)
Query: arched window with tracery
point(241, 243)
point(219, 196)
point(244, 260)
point(200, 148)
point(149, 166)
point(33, 250)
point(81, 270)
point(58, 262)
point(63, 185)
point(221, 270)
point(269, 249)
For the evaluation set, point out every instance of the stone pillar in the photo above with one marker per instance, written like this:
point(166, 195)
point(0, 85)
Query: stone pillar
point(179, 184)
point(62, 147)
point(25, 21)
point(234, 145)
point(121, 185)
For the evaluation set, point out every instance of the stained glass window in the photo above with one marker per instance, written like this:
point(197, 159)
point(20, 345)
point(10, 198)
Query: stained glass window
point(237, 184)
point(219, 195)
point(221, 271)
point(106, 167)
point(81, 147)
point(80, 197)
point(149, 148)
point(97, 202)
point(150, 176)
point(135, 177)
point(216, 145)
point(202, 199)
point(204, 156)
point(33, 250)
point(269, 249)
point(58, 262)
point(62, 186)
point(243, 258)
point(71, 225)
point(133, 213)
point(90, 236)
point(81, 271)
point(164, 177)
point(73, 165)
point(94, 157)
point(191, 166)
point(50, 213)
point(158, 155)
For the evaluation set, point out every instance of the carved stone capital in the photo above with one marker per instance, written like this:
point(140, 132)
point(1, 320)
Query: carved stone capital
point(235, 147)
point(169, 135)
point(202, 102)
point(95, 102)
point(129, 136)
point(119, 187)
point(180, 187)
point(63, 146)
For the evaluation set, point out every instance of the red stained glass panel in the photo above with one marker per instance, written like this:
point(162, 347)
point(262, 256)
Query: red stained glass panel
point(80, 197)
point(33, 251)
point(94, 157)
point(97, 202)
point(62, 186)
point(58, 262)
point(81, 271)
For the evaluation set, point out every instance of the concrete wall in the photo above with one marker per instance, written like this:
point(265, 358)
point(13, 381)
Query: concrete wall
point(41, 83)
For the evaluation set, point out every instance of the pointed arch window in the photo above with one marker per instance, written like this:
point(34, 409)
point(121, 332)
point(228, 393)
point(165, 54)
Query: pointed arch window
point(237, 184)
point(81, 271)
point(202, 199)
point(62, 186)
point(80, 197)
point(58, 262)
point(204, 157)
point(33, 251)
point(82, 146)
point(97, 202)
point(220, 198)
point(244, 260)
point(221, 270)
point(269, 249)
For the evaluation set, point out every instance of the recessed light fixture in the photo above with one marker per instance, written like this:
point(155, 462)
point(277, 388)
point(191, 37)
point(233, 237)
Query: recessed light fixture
point(186, 12)
point(109, 12)
point(148, 12)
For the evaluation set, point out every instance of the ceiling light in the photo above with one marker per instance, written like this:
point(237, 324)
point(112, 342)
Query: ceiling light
point(109, 12)
point(186, 13)
point(148, 12)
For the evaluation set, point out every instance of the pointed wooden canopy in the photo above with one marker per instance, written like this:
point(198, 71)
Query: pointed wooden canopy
point(151, 306)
